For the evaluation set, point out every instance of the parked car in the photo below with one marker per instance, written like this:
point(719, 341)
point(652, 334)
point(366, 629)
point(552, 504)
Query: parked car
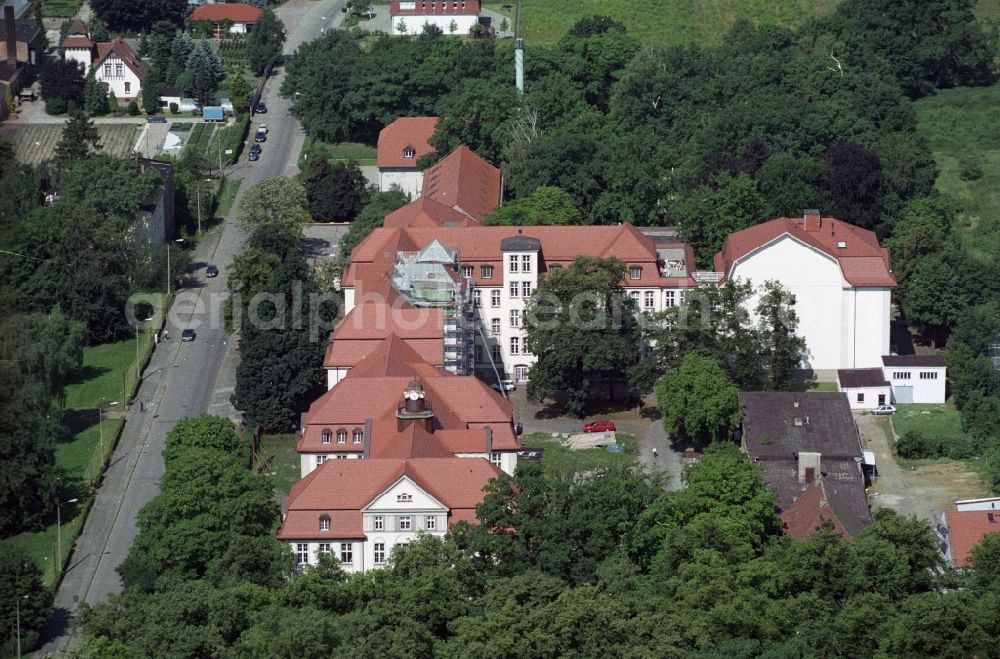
point(187, 335)
point(255, 152)
point(211, 271)
point(156, 120)
point(599, 425)
point(262, 128)
point(884, 409)
point(261, 136)
point(261, 108)
point(504, 385)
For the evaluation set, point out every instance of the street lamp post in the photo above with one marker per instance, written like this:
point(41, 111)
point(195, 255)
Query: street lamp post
point(59, 530)
point(17, 614)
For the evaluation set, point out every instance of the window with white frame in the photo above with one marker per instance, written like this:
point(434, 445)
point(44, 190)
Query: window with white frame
point(635, 272)
point(526, 263)
point(515, 345)
point(486, 271)
point(861, 398)
point(495, 351)
point(324, 548)
point(107, 70)
point(635, 296)
point(128, 87)
point(669, 299)
point(379, 548)
point(649, 300)
point(358, 435)
point(409, 152)
point(477, 297)
point(512, 260)
point(404, 498)
point(513, 289)
point(378, 522)
point(327, 435)
point(341, 435)
point(430, 523)
point(119, 70)
point(324, 523)
point(494, 326)
point(467, 271)
point(521, 373)
point(901, 375)
point(405, 523)
point(301, 553)
point(515, 317)
point(346, 553)
point(320, 459)
point(341, 457)
point(495, 458)
point(525, 289)
point(928, 375)
point(495, 297)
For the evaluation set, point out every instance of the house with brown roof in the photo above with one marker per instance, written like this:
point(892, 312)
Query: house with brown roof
point(114, 63)
point(408, 17)
point(840, 280)
point(358, 511)
point(400, 146)
point(20, 39)
point(866, 388)
point(799, 440)
point(233, 17)
point(966, 529)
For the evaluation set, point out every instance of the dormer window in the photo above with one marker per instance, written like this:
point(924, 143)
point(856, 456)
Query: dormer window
point(341, 436)
point(404, 498)
point(358, 435)
point(409, 152)
point(635, 272)
point(487, 271)
point(467, 271)
point(324, 523)
point(327, 435)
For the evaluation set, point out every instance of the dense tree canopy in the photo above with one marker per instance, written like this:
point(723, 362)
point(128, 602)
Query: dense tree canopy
point(265, 41)
point(139, 15)
point(698, 402)
point(335, 191)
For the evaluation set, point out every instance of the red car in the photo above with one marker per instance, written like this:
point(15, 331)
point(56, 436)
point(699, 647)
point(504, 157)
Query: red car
point(599, 425)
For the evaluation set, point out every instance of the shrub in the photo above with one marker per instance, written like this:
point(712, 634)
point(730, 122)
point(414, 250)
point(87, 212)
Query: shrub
point(133, 108)
point(55, 105)
point(969, 169)
point(173, 108)
point(914, 445)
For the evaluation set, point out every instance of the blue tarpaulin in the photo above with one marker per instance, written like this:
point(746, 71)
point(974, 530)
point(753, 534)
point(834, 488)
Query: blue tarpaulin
point(212, 113)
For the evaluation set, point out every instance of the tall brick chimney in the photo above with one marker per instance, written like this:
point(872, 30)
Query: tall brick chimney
point(9, 35)
point(812, 220)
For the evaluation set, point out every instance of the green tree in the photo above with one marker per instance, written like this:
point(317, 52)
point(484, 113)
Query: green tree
point(23, 600)
point(239, 94)
point(205, 69)
point(8, 101)
point(265, 41)
point(335, 191)
point(371, 218)
point(277, 200)
point(698, 402)
point(582, 327)
point(150, 98)
point(986, 562)
point(546, 205)
point(113, 105)
point(781, 348)
point(139, 15)
point(62, 82)
point(95, 96)
point(712, 212)
point(206, 431)
point(78, 137)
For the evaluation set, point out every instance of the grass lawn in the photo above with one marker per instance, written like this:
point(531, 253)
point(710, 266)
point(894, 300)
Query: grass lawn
point(932, 421)
point(559, 459)
point(201, 135)
point(59, 8)
point(226, 197)
point(41, 546)
point(960, 125)
point(813, 386)
point(284, 467)
point(362, 153)
point(657, 21)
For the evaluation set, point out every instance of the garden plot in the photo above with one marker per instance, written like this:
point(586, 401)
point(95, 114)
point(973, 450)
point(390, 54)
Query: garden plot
point(35, 143)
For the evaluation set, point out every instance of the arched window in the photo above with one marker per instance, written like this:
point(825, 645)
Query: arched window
point(341, 436)
point(327, 435)
point(358, 435)
point(324, 522)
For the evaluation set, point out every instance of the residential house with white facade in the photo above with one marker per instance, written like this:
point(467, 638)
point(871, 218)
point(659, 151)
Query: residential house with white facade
point(400, 146)
point(114, 63)
point(360, 510)
point(840, 280)
point(452, 16)
point(231, 18)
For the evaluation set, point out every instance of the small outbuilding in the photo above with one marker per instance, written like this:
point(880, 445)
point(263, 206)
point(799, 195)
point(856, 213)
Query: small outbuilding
point(866, 388)
point(916, 378)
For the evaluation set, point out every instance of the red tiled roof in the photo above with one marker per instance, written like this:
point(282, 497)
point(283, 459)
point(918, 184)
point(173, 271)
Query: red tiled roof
point(77, 42)
point(371, 320)
point(405, 132)
point(425, 212)
point(77, 28)
point(341, 489)
point(236, 12)
point(425, 7)
point(862, 261)
point(809, 513)
point(966, 529)
point(124, 51)
point(464, 181)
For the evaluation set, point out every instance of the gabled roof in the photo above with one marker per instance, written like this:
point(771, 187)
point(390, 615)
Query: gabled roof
point(814, 509)
point(341, 489)
point(77, 29)
point(236, 12)
point(119, 47)
point(465, 182)
point(927, 361)
point(414, 132)
point(425, 212)
point(853, 378)
point(966, 529)
point(862, 262)
point(77, 42)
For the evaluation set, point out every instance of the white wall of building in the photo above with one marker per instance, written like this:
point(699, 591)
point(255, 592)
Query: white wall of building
point(843, 327)
point(335, 375)
point(415, 23)
point(309, 461)
point(928, 382)
point(410, 181)
point(869, 395)
point(81, 55)
point(120, 79)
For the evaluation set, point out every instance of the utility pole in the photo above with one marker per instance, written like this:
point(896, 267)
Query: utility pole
point(59, 530)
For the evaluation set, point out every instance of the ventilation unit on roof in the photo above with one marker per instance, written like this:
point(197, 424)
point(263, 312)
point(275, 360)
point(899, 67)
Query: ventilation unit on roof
point(841, 244)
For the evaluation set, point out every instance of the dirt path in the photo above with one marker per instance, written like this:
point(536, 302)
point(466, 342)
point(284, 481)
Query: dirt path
point(924, 488)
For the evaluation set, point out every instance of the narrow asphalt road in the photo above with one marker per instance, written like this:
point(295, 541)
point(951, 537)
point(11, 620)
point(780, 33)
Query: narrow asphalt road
point(182, 379)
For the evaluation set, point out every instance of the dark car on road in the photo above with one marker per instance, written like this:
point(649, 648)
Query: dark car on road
point(255, 152)
point(599, 425)
point(187, 335)
point(212, 271)
point(261, 136)
point(261, 108)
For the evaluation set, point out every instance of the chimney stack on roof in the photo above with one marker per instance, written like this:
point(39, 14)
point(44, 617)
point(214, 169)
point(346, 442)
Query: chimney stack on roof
point(8, 21)
point(809, 463)
point(366, 451)
point(812, 221)
point(488, 431)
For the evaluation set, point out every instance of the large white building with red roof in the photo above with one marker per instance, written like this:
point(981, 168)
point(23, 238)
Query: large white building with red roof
point(839, 277)
point(451, 16)
point(238, 17)
point(400, 146)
